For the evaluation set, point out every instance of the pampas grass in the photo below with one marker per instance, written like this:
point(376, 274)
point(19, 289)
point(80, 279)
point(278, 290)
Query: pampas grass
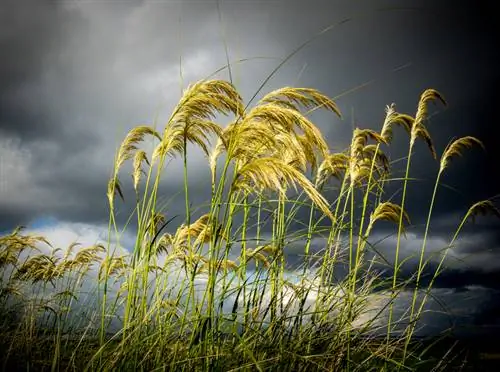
point(210, 295)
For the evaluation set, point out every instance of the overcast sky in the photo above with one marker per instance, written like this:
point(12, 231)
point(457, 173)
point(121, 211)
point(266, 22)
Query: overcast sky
point(75, 76)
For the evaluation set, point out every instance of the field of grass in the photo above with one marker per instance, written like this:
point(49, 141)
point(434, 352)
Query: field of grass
point(215, 295)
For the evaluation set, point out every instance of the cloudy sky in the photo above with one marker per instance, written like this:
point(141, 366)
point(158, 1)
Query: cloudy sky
point(75, 76)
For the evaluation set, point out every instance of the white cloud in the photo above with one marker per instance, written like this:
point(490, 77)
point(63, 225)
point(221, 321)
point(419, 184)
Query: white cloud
point(62, 234)
point(462, 305)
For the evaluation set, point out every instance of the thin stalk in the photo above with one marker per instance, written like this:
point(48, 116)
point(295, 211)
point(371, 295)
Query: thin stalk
point(243, 261)
point(335, 225)
point(308, 241)
point(398, 243)
point(362, 237)
point(420, 263)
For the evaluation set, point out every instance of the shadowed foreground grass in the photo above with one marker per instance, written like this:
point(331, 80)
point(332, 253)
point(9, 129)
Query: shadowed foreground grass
point(215, 293)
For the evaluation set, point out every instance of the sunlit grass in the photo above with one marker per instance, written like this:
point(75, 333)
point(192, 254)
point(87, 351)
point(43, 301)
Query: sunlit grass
point(218, 293)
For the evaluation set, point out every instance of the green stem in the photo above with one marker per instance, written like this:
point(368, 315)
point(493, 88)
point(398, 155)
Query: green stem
point(420, 267)
point(398, 244)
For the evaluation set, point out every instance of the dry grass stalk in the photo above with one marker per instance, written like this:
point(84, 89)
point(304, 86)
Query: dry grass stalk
point(389, 212)
point(334, 165)
point(394, 118)
point(484, 207)
point(358, 162)
point(139, 157)
point(274, 174)
point(418, 129)
point(129, 144)
point(287, 120)
point(290, 97)
point(112, 266)
point(456, 148)
point(191, 120)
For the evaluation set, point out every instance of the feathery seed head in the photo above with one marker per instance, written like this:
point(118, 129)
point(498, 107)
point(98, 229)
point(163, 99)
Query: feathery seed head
point(114, 187)
point(373, 153)
point(274, 174)
point(199, 229)
point(284, 119)
point(394, 118)
point(290, 97)
point(139, 157)
point(164, 244)
point(156, 221)
point(111, 266)
point(129, 144)
point(69, 250)
point(191, 120)
point(206, 97)
point(332, 166)
point(455, 149)
point(8, 257)
point(484, 208)
point(426, 96)
point(418, 129)
point(388, 211)
point(89, 255)
point(357, 160)
point(245, 141)
point(224, 265)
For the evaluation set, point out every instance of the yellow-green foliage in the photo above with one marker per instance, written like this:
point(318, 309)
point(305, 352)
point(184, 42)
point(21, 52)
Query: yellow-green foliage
point(268, 151)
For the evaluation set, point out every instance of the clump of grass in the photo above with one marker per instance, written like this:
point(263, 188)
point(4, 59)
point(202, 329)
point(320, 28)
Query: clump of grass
point(187, 300)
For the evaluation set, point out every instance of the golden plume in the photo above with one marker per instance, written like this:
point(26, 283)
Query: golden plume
point(387, 211)
point(139, 157)
point(455, 149)
point(274, 174)
point(285, 119)
point(484, 208)
point(357, 159)
point(333, 165)
point(289, 97)
point(394, 118)
point(418, 129)
point(111, 266)
point(191, 119)
point(129, 144)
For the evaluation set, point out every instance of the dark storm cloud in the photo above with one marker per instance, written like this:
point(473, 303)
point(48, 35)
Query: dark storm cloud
point(32, 35)
point(63, 94)
point(471, 260)
point(77, 75)
point(448, 46)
